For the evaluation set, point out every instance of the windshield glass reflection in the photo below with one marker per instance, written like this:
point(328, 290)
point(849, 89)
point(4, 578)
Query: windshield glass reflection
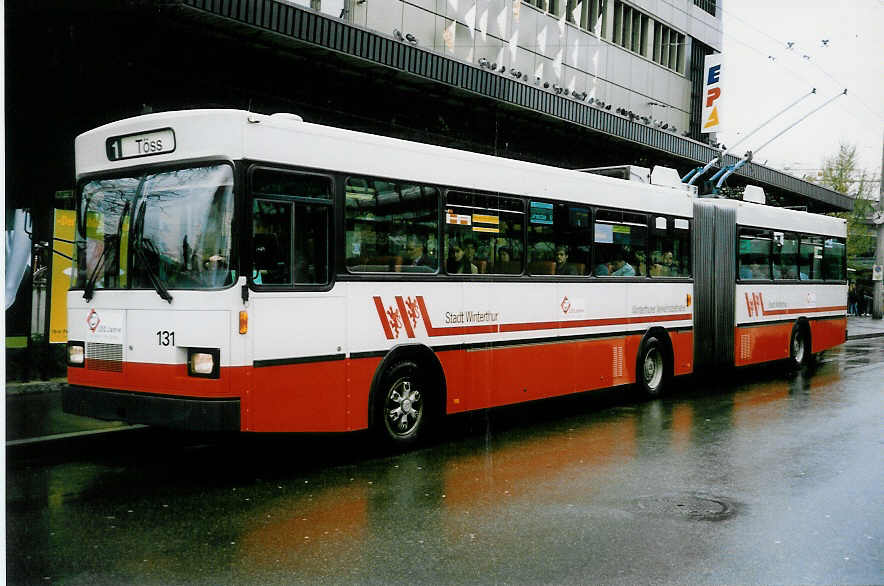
point(182, 233)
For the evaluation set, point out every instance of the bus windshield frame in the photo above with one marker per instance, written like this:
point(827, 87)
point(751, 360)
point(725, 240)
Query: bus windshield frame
point(159, 228)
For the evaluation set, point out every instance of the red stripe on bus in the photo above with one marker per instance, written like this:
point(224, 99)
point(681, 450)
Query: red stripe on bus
point(799, 310)
point(382, 314)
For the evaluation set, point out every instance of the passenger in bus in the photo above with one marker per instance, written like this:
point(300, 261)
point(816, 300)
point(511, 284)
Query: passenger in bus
point(458, 263)
point(759, 271)
point(504, 262)
point(563, 267)
point(669, 268)
point(602, 270)
point(623, 268)
point(640, 262)
point(415, 256)
point(469, 250)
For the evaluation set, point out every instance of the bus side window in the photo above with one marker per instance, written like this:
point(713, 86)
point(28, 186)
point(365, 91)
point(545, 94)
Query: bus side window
point(784, 258)
point(810, 257)
point(620, 243)
point(390, 227)
point(670, 247)
point(834, 257)
point(754, 254)
point(559, 239)
point(290, 228)
point(271, 229)
point(483, 234)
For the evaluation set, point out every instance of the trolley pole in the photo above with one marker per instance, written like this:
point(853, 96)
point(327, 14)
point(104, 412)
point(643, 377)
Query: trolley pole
point(878, 286)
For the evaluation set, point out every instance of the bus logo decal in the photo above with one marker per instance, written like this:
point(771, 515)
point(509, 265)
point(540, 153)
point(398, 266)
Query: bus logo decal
point(92, 320)
point(754, 304)
point(403, 315)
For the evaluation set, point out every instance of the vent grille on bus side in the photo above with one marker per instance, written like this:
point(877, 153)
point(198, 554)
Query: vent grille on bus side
point(618, 362)
point(745, 346)
point(106, 357)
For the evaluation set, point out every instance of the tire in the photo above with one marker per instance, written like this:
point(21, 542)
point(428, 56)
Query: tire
point(652, 369)
point(402, 403)
point(799, 350)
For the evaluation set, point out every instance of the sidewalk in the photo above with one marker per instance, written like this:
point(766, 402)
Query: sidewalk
point(864, 327)
point(33, 409)
point(33, 413)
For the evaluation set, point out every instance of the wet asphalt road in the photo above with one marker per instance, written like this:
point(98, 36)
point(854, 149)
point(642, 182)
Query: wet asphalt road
point(765, 478)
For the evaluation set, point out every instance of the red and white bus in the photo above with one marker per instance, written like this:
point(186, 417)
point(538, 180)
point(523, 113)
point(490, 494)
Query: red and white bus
point(237, 271)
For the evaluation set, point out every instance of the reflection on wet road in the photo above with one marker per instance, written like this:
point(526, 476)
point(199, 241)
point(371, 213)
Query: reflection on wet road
point(762, 478)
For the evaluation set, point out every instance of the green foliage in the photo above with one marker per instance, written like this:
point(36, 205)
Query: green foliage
point(841, 173)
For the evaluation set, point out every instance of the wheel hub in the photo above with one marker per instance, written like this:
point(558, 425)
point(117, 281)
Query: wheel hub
point(403, 408)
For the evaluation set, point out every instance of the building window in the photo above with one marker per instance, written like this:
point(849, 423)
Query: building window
point(631, 28)
point(669, 47)
point(588, 15)
point(707, 5)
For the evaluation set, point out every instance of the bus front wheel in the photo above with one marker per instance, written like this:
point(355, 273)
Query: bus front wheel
point(401, 410)
point(651, 372)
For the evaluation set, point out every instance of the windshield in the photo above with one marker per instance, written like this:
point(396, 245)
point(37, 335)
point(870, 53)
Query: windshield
point(174, 227)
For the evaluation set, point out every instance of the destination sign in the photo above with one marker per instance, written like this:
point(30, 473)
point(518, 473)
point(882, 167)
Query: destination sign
point(143, 144)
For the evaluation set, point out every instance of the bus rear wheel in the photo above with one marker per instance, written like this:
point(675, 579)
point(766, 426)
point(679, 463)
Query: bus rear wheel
point(798, 350)
point(651, 372)
point(401, 404)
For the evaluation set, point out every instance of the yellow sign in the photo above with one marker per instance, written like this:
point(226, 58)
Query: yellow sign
point(62, 263)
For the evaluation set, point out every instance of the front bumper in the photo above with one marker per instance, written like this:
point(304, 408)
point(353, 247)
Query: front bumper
point(187, 413)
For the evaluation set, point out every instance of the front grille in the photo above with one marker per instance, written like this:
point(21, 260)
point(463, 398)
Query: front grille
point(106, 357)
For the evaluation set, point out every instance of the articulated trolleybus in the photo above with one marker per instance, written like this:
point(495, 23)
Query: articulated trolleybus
point(237, 271)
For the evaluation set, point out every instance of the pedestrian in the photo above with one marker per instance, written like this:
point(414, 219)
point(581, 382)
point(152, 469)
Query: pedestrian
point(852, 305)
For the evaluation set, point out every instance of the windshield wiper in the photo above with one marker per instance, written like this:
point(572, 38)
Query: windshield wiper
point(110, 241)
point(154, 278)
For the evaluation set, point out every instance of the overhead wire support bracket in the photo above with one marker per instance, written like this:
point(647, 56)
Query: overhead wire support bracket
point(698, 172)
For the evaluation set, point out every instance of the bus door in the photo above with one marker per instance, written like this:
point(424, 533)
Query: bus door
point(714, 238)
point(297, 314)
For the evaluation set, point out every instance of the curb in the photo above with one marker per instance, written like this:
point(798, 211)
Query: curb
point(865, 336)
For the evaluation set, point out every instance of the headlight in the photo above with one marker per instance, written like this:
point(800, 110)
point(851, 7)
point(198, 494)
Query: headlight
point(203, 362)
point(76, 354)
